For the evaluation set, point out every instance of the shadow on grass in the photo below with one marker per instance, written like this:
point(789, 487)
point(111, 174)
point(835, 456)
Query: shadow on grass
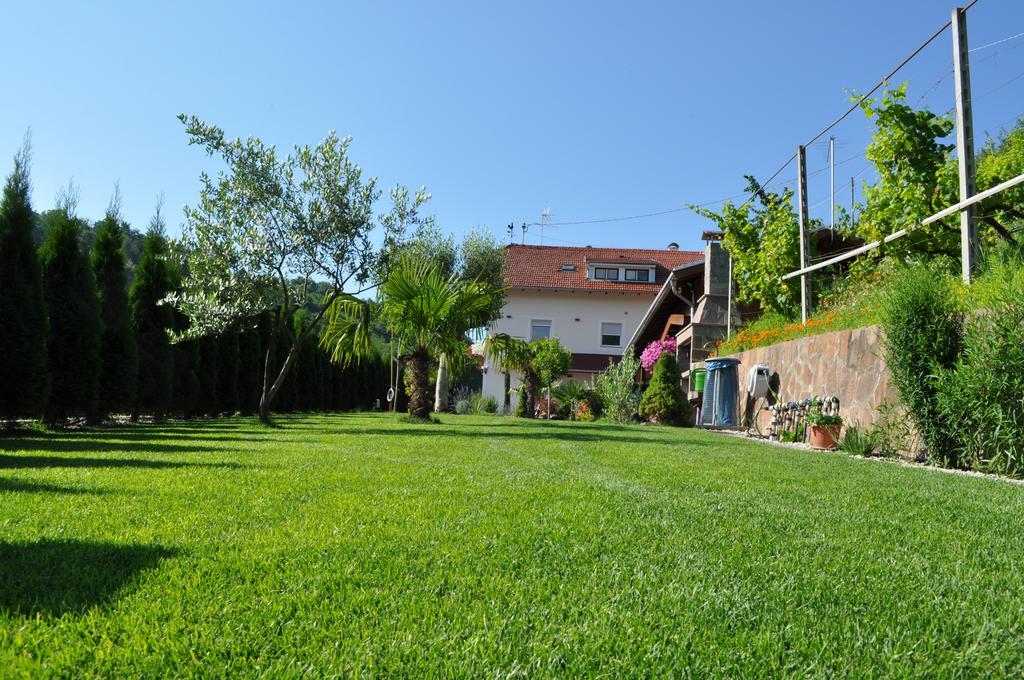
point(57, 577)
point(10, 462)
point(25, 486)
point(56, 443)
point(557, 434)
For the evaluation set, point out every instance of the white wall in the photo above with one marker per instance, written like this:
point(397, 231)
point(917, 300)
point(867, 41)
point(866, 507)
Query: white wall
point(563, 309)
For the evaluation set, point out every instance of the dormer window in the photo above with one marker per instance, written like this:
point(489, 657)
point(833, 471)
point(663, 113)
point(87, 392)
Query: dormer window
point(635, 272)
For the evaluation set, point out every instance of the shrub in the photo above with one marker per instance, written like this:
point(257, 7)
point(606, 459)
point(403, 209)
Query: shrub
point(521, 410)
point(893, 432)
point(923, 337)
point(568, 393)
point(584, 413)
point(654, 350)
point(618, 389)
point(463, 406)
point(550, 360)
point(982, 396)
point(664, 401)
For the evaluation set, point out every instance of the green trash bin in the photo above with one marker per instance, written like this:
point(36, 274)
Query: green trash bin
point(699, 375)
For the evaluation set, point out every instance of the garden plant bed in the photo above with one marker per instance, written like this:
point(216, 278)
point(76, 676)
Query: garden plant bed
point(361, 544)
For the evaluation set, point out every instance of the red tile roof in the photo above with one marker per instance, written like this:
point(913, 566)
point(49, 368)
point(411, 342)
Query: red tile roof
point(541, 266)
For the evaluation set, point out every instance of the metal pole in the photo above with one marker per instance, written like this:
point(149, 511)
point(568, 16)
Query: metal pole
point(805, 283)
point(965, 145)
point(832, 183)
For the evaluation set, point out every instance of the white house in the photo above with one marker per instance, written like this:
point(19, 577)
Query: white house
point(591, 299)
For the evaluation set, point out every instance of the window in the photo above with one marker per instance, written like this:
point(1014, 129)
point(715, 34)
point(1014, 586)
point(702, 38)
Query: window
point(638, 275)
point(568, 267)
point(606, 273)
point(611, 334)
point(539, 329)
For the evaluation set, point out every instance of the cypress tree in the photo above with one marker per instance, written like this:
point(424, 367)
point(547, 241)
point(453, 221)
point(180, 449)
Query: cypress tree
point(208, 403)
point(153, 279)
point(119, 360)
point(250, 368)
point(185, 394)
point(75, 327)
point(227, 378)
point(185, 389)
point(23, 325)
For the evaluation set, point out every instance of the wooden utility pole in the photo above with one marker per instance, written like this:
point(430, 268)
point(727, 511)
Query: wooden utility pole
point(965, 145)
point(805, 246)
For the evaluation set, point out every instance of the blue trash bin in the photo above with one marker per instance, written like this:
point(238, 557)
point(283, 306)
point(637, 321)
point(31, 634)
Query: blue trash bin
point(721, 394)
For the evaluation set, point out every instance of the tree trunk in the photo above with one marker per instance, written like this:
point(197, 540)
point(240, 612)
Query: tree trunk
point(532, 384)
point(268, 393)
point(508, 393)
point(419, 388)
point(441, 392)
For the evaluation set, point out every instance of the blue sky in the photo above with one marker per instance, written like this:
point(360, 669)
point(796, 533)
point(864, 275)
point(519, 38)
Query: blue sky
point(596, 110)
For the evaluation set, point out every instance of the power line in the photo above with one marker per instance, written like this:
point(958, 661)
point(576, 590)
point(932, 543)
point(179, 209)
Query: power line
point(997, 42)
point(768, 183)
point(870, 92)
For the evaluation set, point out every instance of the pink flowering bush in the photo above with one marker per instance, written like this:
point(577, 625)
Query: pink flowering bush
point(653, 352)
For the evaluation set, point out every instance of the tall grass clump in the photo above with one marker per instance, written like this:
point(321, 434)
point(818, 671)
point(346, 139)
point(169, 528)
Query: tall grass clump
point(923, 338)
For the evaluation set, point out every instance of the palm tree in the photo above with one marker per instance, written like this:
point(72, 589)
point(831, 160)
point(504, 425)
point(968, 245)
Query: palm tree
point(427, 312)
point(515, 354)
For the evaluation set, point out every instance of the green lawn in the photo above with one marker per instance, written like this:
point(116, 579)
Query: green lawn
point(359, 544)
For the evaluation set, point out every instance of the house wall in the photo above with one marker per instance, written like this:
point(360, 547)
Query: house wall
point(847, 364)
point(563, 308)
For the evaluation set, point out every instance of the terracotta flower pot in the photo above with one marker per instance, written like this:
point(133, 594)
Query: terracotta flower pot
point(825, 436)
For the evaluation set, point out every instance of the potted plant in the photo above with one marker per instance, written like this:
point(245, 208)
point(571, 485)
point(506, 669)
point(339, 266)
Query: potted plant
point(824, 428)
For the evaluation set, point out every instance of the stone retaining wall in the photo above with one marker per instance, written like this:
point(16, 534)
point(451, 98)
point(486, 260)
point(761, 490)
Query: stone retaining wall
point(847, 364)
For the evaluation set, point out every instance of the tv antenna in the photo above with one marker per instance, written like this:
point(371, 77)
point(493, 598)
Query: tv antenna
point(544, 217)
point(511, 230)
point(524, 228)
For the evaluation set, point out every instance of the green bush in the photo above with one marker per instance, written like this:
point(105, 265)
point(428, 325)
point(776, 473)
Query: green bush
point(521, 410)
point(463, 406)
point(617, 388)
point(923, 337)
point(571, 393)
point(664, 400)
point(982, 397)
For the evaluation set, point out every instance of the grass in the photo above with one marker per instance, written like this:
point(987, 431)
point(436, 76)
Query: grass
point(358, 544)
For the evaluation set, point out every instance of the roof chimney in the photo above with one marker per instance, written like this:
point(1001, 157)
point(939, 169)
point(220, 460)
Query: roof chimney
point(673, 246)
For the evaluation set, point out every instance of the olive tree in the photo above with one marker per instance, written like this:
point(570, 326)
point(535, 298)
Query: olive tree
point(268, 226)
